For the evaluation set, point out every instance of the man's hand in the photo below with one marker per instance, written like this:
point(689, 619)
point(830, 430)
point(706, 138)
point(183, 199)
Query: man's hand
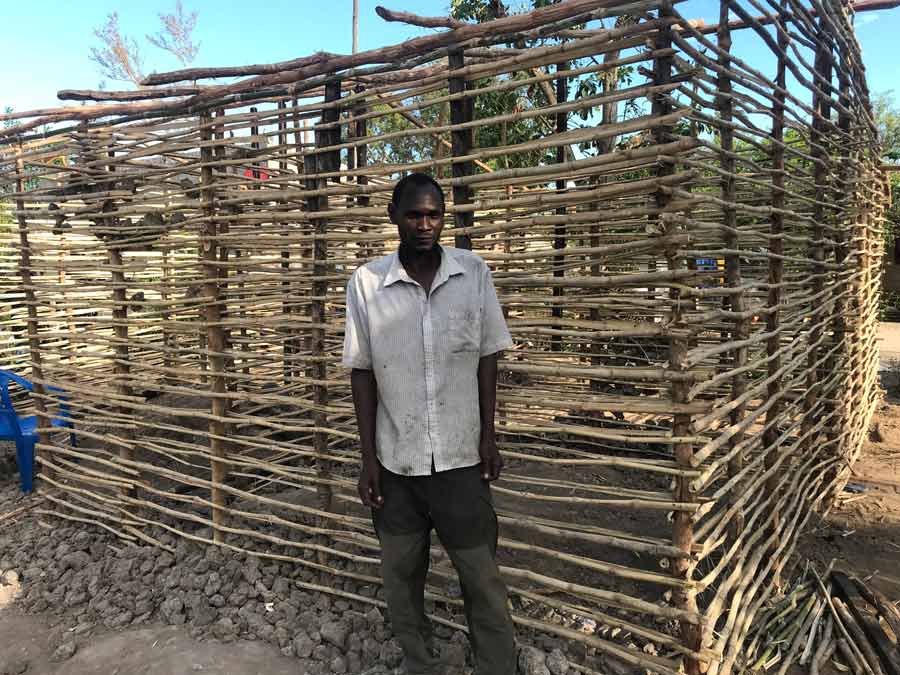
point(369, 486)
point(491, 461)
point(365, 402)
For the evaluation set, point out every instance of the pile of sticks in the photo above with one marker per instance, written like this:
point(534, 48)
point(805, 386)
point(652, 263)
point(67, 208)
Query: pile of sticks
point(845, 622)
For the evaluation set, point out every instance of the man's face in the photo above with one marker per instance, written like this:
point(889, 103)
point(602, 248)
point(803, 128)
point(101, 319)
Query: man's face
point(419, 218)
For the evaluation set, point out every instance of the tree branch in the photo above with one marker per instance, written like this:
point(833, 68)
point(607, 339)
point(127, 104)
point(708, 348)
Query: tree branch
point(137, 95)
point(298, 69)
point(416, 20)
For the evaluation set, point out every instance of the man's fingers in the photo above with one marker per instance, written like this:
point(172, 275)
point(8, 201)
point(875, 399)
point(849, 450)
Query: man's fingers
point(369, 495)
point(486, 469)
point(363, 495)
point(375, 497)
point(496, 465)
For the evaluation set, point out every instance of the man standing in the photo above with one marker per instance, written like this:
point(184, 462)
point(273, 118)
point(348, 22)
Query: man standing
point(424, 330)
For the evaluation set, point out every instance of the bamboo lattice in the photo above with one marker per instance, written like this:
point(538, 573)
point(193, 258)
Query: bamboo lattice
point(689, 270)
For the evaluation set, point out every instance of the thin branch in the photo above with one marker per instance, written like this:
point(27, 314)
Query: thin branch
point(176, 37)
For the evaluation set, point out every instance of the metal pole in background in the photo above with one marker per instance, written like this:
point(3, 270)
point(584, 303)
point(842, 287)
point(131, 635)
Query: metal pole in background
point(355, 26)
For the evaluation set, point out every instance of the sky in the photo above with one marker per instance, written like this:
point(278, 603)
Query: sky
point(45, 47)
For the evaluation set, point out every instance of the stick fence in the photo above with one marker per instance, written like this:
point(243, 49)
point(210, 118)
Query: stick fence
point(686, 245)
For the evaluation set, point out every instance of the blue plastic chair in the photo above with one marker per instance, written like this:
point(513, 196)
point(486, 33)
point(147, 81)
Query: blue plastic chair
point(23, 430)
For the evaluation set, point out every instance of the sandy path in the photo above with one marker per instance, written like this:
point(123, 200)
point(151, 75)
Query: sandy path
point(156, 650)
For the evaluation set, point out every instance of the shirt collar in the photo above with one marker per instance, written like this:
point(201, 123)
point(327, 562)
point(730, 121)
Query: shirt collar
point(448, 268)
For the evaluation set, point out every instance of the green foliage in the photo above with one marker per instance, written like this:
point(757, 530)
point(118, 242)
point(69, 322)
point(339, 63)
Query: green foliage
point(516, 132)
point(404, 150)
point(892, 215)
point(887, 117)
point(527, 97)
point(485, 10)
point(889, 305)
point(471, 10)
point(9, 123)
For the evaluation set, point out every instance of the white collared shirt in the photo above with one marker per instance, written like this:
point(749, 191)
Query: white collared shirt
point(424, 351)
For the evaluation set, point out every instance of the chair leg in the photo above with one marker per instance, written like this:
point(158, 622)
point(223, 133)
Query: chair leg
point(25, 460)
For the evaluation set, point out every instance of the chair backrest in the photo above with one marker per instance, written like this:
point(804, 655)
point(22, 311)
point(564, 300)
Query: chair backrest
point(6, 404)
point(7, 375)
point(7, 410)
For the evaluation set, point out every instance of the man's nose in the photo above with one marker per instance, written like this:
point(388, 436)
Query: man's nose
point(423, 223)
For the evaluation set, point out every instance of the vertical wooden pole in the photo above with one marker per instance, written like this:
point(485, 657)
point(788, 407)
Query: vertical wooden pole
point(34, 340)
point(837, 360)
point(608, 116)
point(215, 338)
point(507, 235)
point(440, 149)
point(310, 163)
point(736, 359)
point(72, 357)
point(255, 174)
point(682, 530)
point(361, 130)
point(840, 189)
point(295, 343)
point(822, 111)
point(324, 161)
point(286, 309)
point(204, 346)
point(204, 343)
point(170, 340)
point(867, 240)
point(355, 45)
point(775, 279)
point(461, 110)
point(222, 229)
point(122, 366)
point(559, 231)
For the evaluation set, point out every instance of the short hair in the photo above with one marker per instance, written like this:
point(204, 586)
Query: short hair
point(416, 180)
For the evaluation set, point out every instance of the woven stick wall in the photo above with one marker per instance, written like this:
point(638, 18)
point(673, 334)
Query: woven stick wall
point(687, 256)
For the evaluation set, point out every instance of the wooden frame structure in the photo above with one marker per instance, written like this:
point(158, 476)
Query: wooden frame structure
point(691, 280)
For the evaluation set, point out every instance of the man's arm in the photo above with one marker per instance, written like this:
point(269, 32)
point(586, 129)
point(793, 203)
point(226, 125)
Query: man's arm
point(491, 462)
point(365, 401)
point(494, 339)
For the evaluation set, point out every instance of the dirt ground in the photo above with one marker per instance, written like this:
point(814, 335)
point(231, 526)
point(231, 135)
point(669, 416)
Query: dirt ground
point(151, 651)
point(889, 343)
point(28, 642)
point(862, 532)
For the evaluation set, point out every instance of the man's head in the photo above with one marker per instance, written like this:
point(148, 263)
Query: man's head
point(417, 209)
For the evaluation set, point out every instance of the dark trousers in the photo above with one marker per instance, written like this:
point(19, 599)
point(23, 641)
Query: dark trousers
point(457, 504)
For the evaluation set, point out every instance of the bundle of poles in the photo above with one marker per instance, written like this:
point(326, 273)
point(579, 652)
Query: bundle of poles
point(686, 244)
point(844, 621)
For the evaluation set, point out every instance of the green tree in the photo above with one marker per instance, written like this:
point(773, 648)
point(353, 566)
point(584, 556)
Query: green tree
point(8, 110)
point(530, 96)
point(887, 117)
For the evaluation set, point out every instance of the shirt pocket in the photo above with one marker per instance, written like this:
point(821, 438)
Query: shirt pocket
point(464, 330)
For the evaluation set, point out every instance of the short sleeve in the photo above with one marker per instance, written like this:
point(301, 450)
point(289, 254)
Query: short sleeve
point(495, 335)
point(357, 346)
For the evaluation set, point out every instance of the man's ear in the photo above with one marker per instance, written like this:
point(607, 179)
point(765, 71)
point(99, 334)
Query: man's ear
point(392, 211)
